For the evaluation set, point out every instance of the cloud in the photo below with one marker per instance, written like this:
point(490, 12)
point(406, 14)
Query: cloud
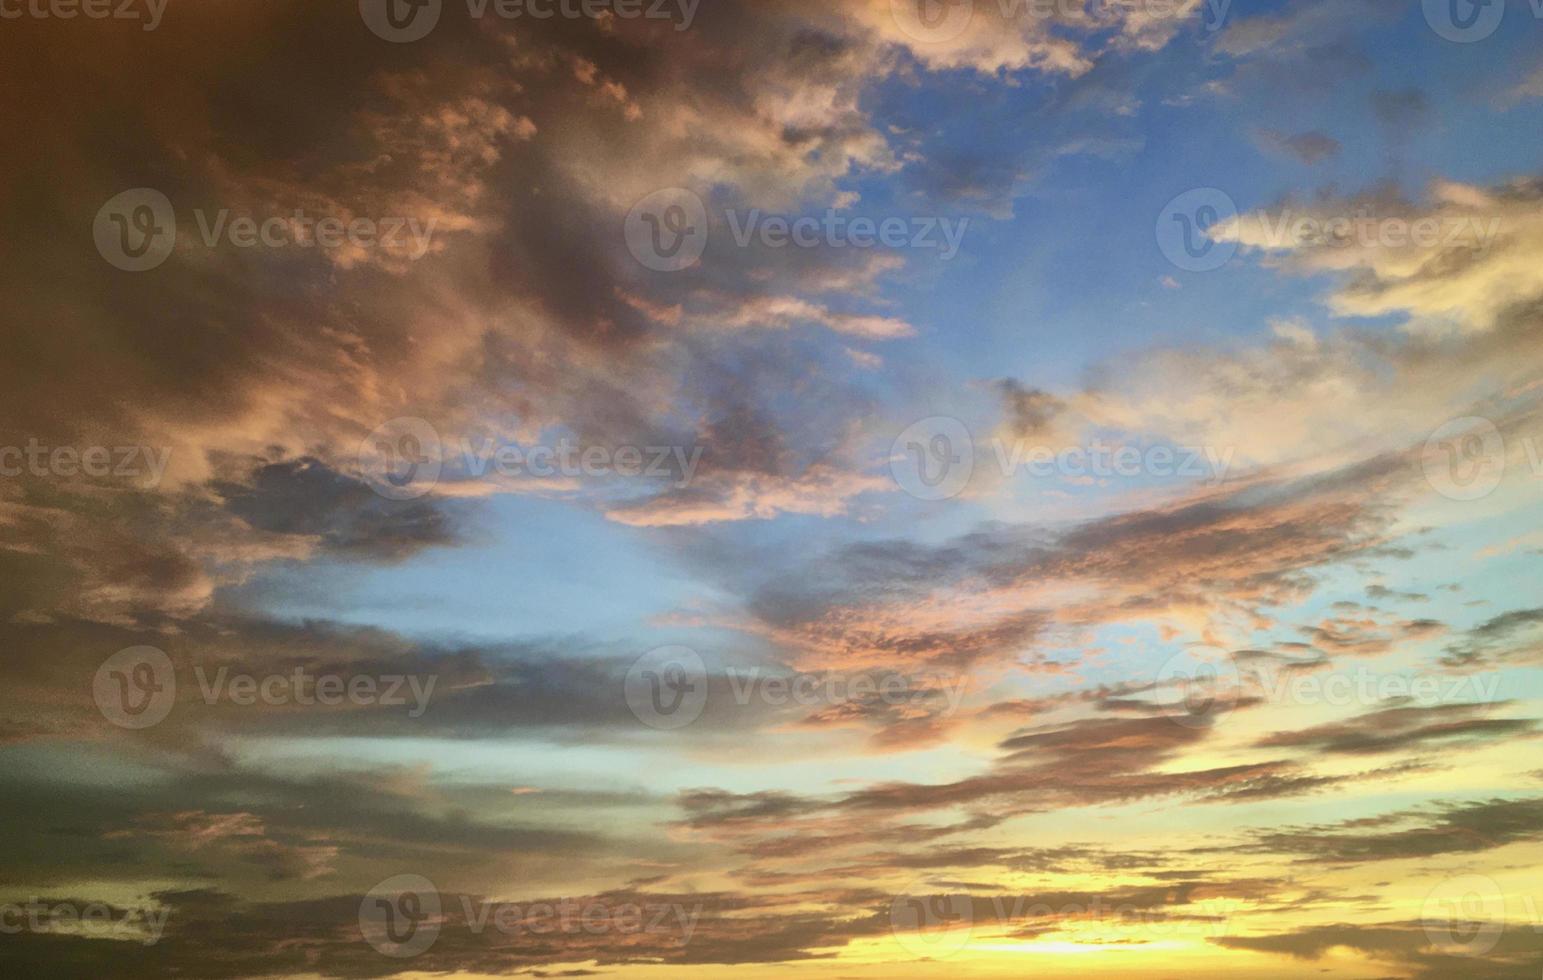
point(1310, 147)
point(1405, 727)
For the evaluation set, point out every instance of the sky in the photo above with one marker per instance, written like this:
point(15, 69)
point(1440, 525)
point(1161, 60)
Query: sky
point(868, 489)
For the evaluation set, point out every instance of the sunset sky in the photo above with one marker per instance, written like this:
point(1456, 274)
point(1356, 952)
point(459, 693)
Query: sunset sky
point(767, 488)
